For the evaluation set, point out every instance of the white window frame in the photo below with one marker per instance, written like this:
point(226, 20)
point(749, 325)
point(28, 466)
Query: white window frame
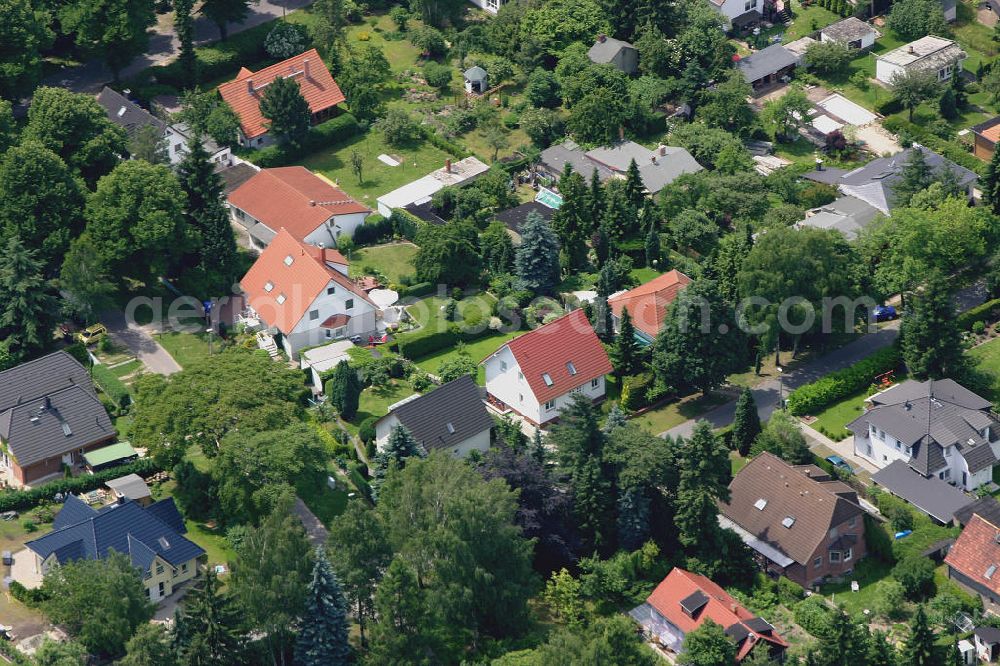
point(594, 383)
point(549, 405)
point(835, 557)
point(848, 554)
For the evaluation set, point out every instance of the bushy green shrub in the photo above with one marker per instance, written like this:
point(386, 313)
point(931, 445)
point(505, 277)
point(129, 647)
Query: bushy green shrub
point(813, 397)
point(981, 314)
point(375, 230)
point(219, 59)
point(405, 223)
point(113, 387)
point(813, 615)
point(635, 391)
point(437, 75)
point(367, 430)
point(324, 135)
point(978, 327)
point(789, 592)
point(418, 289)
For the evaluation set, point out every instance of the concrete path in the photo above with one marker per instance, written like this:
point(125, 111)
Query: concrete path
point(766, 393)
point(141, 343)
point(164, 46)
point(315, 529)
point(844, 448)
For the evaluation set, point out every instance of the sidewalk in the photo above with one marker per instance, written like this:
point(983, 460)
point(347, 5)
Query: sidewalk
point(844, 448)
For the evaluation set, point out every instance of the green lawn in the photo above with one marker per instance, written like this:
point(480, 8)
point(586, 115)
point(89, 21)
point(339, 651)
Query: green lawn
point(666, 417)
point(831, 421)
point(808, 20)
point(428, 312)
point(417, 161)
point(326, 503)
point(867, 573)
point(375, 401)
point(127, 368)
point(987, 359)
point(393, 260)
point(186, 347)
point(973, 35)
point(477, 349)
point(212, 540)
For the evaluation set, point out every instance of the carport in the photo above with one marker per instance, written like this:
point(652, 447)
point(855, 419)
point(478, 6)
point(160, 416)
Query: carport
point(933, 496)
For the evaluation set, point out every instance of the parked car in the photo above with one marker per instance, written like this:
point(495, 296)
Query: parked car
point(840, 463)
point(92, 334)
point(884, 313)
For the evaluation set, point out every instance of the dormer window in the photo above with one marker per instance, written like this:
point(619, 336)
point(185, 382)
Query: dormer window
point(547, 379)
point(280, 299)
point(990, 571)
point(289, 259)
point(571, 368)
point(268, 286)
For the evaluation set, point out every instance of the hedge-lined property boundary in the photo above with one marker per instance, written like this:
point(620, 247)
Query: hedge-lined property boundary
point(988, 311)
point(813, 397)
point(17, 500)
point(327, 133)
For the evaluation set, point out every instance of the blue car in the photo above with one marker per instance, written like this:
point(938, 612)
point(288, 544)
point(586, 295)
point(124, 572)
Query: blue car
point(884, 313)
point(840, 463)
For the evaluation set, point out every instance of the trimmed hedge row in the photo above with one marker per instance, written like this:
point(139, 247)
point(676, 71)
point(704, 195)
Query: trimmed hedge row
point(813, 397)
point(419, 343)
point(113, 387)
point(405, 223)
point(324, 135)
point(17, 500)
point(220, 59)
point(987, 312)
point(444, 144)
point(418, 289)
point(635, 391)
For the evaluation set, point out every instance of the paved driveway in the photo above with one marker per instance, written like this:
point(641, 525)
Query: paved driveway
point(139, 341)
point(315, 530)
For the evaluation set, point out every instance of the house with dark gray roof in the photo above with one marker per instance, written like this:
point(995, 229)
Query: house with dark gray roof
point(938, 428)
point(657, 168)
point(49, 417)
point(452, 417)
point(610, 51)
point(875, 182)
point(763, 69)
point(852, 32)
point(847, 215)
point(151, 537)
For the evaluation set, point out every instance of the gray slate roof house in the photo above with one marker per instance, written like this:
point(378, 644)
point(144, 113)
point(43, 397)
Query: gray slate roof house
point(513, 218)
point(611, 51)
point(81, 532)
point(845, 214)
point(658, 168)
point(764, 67)
point(937, 499)
point(938, 427)
point(873, 183)
point(127, 114)
point(444, 418)
point(130, 487)
point(48, 409)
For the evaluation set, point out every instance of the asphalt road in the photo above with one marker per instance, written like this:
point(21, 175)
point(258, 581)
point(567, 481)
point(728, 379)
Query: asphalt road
point(164, 46)
point(138, 340)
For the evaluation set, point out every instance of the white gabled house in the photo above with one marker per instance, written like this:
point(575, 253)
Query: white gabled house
point(537, 374)
point(304, 293)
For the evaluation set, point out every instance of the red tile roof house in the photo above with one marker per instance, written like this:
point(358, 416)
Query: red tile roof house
point(974, 561)
point(683, 601)
point(799, 522)
point(310, 208)
point(303, 292)
point(536, 374)
point(647, 304)
point(319, 89)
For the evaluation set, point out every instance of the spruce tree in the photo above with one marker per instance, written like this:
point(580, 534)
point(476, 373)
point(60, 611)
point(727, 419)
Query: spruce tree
point(398, 448)
point(27, 306)
point(920, 649)
point(571, 222)
point(633, 518)
point(595, 201)
point(286, 110)
point(537, 259)
point(915, 176)
point(344, 390)
point(538, 447)
point(929, 337)
point(206, 214)
point(635, 190)
point(322, 639)
point(184, 27)
point(704, 482)
point(615, 418)
point(880, 651)
point(625, 350)
point(207, 628)
point(602, 311)
point(991, 184)
point(746, 424)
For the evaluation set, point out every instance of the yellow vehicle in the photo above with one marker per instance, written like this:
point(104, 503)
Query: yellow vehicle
point(92, 334)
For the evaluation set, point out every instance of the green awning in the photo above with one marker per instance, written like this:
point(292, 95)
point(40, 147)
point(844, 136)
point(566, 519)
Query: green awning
point(109, 454)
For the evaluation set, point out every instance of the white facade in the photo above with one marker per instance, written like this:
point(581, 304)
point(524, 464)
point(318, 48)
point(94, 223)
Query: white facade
point(733, 8)
point(491, 6)
point(866, 42)
point(506, 382)
point(880, 448)
point(177, 147)
point(942, 57)
point(335, 299)
point(478, 442)
point(325, 235)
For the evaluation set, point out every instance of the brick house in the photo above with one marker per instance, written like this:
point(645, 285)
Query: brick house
point(974, 561)
point(800, 522)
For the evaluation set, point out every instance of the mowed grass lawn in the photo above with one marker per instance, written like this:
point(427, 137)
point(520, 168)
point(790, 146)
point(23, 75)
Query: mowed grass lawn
point(808, 20)
point(671, 415)
point(831, 421)
point(378, 178)
point(477, 349)
point(186, 347)
point(375, 401)
point(393, 260)
point(987, 359)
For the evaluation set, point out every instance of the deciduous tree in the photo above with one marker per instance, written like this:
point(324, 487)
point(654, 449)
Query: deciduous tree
point(224, 12)
point(24, 34)
point(911, 88)
point(708, 645)
point(149, 646)
point(114, 30)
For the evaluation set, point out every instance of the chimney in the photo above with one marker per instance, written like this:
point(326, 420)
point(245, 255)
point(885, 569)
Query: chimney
point(312, 202)
point(447, 165)
point(250, 86)
point(909, 48)
point(305, 67)
point(48, 403)
point(602, 38)
point(663, 150)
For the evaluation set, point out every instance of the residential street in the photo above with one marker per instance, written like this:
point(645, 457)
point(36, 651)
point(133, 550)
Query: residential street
point(164, 47)
point(766, 393)
point(139, 341)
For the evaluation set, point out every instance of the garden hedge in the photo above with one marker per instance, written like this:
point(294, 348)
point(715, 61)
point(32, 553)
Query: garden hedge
point(405, 223)
point(813, 397)
point(635, 391)
point(219, 59)
point(986, 313)
point(418, 289)
point(422, 343)
point(326, 134)
point(113, 387)
point(18, 500)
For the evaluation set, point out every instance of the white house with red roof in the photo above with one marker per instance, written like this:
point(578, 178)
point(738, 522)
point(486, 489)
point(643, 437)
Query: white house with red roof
point(683, 601)
point(536, 374)
point(647, 304)
point(303, 292)
point(312, 209)
point(243, 94)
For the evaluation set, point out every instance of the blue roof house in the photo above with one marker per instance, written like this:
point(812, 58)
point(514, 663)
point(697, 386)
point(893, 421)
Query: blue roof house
point(152, 537)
